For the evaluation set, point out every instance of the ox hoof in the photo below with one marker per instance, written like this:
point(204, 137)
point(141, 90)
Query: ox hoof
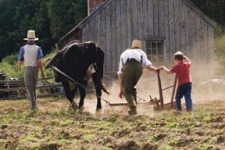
point(81, 108)
point(99, 108)
point(73, 107)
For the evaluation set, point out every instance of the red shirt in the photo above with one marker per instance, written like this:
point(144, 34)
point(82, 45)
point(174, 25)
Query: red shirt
point(183, 72)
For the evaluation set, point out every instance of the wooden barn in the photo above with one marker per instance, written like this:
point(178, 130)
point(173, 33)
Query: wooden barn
point(164, 27)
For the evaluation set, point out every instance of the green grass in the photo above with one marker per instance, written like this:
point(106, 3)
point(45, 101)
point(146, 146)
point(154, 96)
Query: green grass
point(168, 147)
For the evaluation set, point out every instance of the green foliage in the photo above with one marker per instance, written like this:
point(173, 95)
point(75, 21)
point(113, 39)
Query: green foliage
point(64, 15)
point(220, 49)
point(214, 9)
point(9, 66)
point(54, 18)
point(48, 71)
point(50, 18)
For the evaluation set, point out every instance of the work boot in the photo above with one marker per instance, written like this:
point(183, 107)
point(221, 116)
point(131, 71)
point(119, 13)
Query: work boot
point(132, 111)
point(32, 112)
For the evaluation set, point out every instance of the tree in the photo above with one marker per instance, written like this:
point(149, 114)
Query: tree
point(42, 26)
point(7, 26)
point(50, 18)
point(64, 15)
point(215, 9)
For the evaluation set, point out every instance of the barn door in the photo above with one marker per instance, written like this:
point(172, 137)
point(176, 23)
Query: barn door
point(155, 51)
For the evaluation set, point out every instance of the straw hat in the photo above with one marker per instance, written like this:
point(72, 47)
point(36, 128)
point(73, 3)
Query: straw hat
point(31, 36)
point(136, 44)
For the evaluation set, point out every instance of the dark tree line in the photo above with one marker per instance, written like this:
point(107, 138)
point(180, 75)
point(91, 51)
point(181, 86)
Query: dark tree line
point(50, 18)
point(53, 18)
point(215, 9)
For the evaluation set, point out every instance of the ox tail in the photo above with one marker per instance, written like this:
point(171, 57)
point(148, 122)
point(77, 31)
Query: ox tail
point(104, 89)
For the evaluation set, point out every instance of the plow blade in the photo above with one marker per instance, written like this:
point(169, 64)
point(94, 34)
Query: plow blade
point(125, 103)
point(118, 104)
point(158, 107)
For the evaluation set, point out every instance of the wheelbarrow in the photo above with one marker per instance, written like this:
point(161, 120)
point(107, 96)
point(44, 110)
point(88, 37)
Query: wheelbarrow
point(158, 103)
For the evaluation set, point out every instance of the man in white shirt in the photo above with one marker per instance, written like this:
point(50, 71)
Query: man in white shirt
point(31, 55)
point(130, 70)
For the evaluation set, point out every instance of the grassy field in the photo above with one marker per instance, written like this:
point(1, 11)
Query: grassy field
point(54, 127)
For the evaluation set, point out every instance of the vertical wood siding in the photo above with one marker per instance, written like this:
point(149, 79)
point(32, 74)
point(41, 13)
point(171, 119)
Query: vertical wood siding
point(181, 27)
point(167, 35)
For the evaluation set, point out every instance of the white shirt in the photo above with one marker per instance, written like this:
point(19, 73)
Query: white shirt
point(136, 54)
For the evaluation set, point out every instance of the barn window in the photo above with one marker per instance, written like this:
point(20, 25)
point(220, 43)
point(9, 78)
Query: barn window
point(155, 51)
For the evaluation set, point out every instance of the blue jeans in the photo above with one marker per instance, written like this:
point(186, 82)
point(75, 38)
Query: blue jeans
point(184, 90)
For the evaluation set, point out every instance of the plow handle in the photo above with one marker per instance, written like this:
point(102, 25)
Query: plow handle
point(173, 93)
point(160, 89)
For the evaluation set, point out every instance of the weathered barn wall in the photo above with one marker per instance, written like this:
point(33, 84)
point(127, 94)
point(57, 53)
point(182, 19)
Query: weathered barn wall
point(181, 26)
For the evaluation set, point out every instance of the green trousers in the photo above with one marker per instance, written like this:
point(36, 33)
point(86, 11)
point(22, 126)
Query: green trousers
point(132, 72)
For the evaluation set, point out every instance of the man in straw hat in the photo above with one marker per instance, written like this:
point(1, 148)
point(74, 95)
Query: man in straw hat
point(31, 55)
point(130, 71)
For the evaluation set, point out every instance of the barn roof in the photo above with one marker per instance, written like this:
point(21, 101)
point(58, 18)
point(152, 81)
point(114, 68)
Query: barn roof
point(108, 2)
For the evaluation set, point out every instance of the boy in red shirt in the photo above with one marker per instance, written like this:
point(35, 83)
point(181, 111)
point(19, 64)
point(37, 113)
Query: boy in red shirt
point(182, 70)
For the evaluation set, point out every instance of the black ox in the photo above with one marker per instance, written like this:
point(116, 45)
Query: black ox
point(80, 61)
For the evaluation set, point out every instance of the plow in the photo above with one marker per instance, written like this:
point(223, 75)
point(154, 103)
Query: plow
point(158, 103)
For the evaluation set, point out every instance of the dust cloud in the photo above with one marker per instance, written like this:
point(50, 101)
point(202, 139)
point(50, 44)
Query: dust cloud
point(206, 88)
